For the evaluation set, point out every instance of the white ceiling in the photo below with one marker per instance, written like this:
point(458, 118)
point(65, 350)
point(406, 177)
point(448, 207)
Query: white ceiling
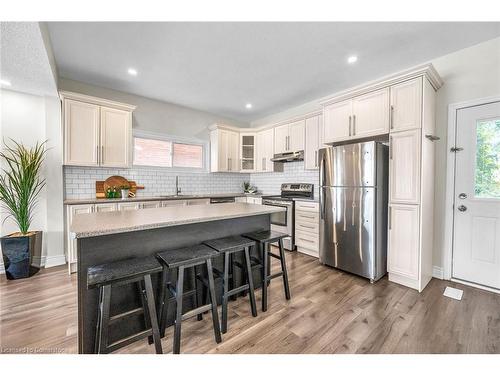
point(218, 67)
point(24, 60)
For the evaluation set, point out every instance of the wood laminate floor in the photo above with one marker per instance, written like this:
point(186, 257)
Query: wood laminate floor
point(330, 312)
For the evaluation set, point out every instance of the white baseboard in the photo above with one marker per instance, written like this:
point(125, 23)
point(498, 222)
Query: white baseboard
point(46, 261)
point(437, 272)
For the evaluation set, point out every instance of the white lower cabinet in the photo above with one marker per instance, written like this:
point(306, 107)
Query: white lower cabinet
point(71, 212)
point(254, 200)
point(307, 228)
point(198, 202)
point(129, 206)
point(403, 252)
point(105, 207)
point(151, 204)
point(174, 202)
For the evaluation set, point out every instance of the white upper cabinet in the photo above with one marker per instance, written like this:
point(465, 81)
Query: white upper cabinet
point(337, 119)
point(224, 150)
point(281, 139)
point(406, 105)
point(97, 132)
point(265, 150)
point(81, 133)
point(404, 167)
point(289, 137)
point(296, 137)
point(248, 152)
point(115, 137)
point(370, 114)
point(363, 116)
point(312, 142)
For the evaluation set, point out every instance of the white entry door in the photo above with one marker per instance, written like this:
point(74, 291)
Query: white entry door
point(476, 245)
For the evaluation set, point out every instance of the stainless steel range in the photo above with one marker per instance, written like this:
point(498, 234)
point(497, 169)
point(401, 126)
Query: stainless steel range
point(284, 222)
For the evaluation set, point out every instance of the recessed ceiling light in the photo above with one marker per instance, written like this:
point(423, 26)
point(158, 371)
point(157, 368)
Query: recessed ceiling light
point(132, 71)
point(248, 106)
point(4, 82)
point(352, 59)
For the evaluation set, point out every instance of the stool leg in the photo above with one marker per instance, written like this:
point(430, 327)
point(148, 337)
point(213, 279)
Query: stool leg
point(178, 314)
point(283, 269)
point(224, 292)
point(98, 326)
point(164, 297)
point(104, 323)
point(213, 301)
point(233, 275)
point(147, 321)
point(196, 299)
point(265, 260)
point(152, 313)
point(250, 282)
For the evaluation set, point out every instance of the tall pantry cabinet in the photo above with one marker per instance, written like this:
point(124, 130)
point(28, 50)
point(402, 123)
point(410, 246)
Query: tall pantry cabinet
point(401, 109)
point(411, 182)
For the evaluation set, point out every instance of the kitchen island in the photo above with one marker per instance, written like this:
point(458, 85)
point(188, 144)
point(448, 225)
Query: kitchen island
point(111, 236)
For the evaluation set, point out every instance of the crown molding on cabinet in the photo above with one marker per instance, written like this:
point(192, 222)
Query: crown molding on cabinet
point(265, 127)
point(426, 70)
point(96, 100)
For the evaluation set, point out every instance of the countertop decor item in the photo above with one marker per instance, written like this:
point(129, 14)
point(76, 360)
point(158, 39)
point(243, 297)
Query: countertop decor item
point(247, 188)
point(124, 190)
point(20, 186)
point(103, 188)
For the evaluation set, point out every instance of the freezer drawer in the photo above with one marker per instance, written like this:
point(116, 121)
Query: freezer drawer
point(347, 229)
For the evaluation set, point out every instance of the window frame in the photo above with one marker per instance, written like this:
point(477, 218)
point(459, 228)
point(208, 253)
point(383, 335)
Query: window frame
point(173, 139)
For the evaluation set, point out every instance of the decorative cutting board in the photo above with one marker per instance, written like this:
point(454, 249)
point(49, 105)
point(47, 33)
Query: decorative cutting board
point(115, 181)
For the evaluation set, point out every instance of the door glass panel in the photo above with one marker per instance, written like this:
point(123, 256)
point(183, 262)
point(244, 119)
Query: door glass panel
point(487, 176)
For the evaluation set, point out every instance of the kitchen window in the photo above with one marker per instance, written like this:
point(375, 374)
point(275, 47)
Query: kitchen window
point(153, 151)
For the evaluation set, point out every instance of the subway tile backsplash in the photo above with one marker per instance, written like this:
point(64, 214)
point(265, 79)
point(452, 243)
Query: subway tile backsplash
point(79, 182)
point(270, 183)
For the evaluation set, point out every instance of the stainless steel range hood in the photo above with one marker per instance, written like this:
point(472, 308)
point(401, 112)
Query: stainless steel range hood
point(288, 157)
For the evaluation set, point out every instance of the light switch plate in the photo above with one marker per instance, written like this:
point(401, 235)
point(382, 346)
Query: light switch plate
point(453, 293)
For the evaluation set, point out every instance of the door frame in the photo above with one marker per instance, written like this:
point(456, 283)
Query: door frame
point(450, 180)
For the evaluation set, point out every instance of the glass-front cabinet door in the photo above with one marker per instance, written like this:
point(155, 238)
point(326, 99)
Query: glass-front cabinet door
point(247, 142)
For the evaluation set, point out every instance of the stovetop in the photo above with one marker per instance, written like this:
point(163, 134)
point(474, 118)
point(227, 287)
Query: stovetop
point(292, 192)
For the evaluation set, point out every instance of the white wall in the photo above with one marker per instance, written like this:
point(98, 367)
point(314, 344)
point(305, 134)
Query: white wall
point(27, 119)
point(154, 115)
point(468, 74)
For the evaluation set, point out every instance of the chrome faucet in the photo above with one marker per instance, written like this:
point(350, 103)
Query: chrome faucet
point(177, 189)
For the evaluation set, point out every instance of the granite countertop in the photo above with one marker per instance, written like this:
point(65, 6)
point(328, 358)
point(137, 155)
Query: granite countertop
point(103, 223)
point(157, 198)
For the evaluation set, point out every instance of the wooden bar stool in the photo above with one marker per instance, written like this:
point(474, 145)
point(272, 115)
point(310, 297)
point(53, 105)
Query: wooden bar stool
point(264, 239)
point(230, 246)
point(182, 259)
point(104, 277)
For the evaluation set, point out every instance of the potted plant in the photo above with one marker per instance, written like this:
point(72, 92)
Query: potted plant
point(20, 186)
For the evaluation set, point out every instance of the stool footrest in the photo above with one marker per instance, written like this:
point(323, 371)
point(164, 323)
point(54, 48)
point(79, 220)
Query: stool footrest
point(275, 275)
point(119, 317)
point(198, 310)
point(237, 290)
point(128, 340)
point(274, 255)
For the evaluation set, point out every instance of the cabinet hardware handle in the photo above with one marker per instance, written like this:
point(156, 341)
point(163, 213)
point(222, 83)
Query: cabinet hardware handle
point(316, 158)
point(390, 148)
point(391, 117)
point(308, 217)
point(306, 226)
point(432, 137)
point(97, 154)
point(228, 164)
point(305, 239)
point(102, 154)
point(349, 126)
point(390, 217)
point(354, 125)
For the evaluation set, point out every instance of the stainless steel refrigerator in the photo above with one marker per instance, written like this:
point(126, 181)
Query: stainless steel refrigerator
point(353, 208)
